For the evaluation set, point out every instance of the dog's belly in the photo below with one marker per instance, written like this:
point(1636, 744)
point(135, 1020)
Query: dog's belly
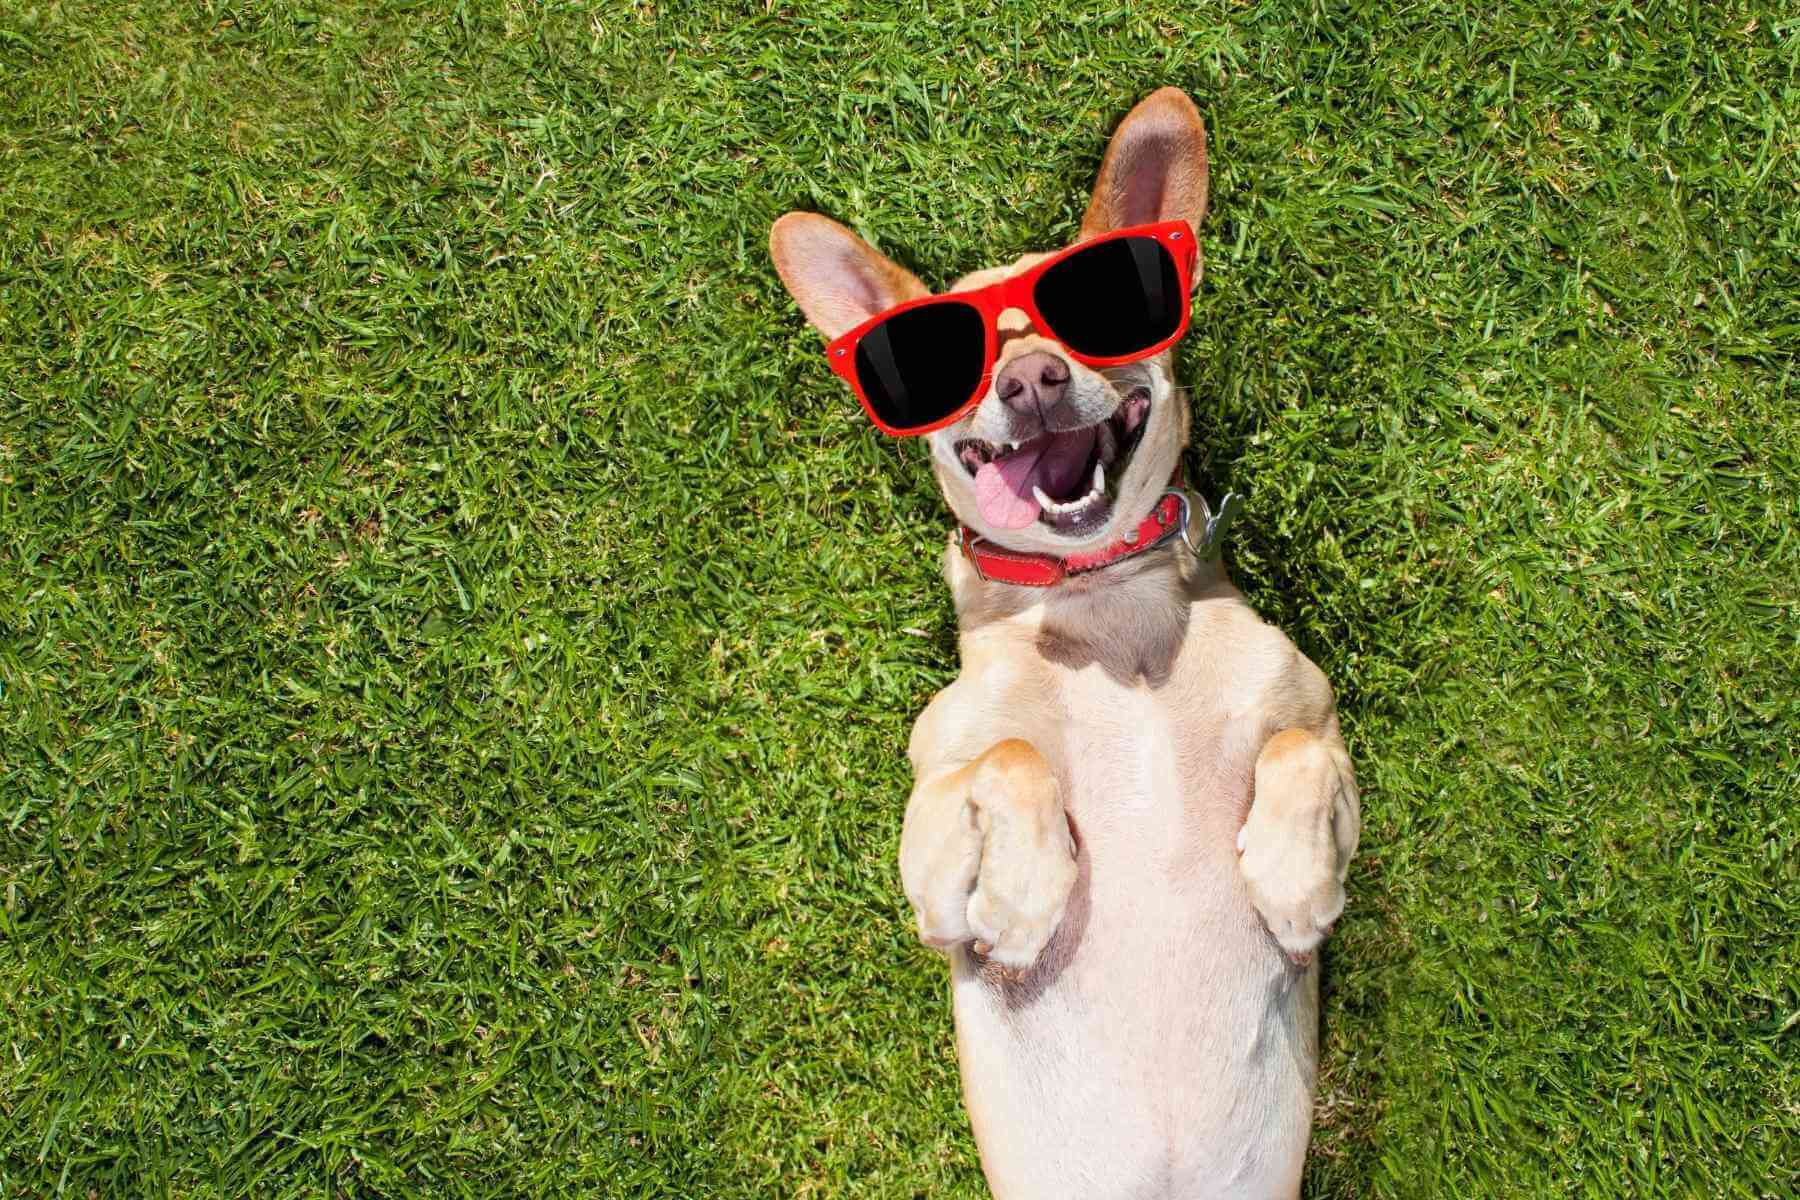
point(1162, 1046)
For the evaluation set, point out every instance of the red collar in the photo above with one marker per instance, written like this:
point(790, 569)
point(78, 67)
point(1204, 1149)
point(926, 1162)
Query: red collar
point(1168, 519)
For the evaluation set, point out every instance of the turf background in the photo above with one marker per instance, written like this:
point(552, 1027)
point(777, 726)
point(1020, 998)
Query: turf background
point(458, 640)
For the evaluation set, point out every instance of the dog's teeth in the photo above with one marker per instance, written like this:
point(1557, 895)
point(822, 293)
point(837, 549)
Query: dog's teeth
point(1099, 477)
point(1043, 500)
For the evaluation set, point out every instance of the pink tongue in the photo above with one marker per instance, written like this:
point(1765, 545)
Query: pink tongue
point(1052, 462)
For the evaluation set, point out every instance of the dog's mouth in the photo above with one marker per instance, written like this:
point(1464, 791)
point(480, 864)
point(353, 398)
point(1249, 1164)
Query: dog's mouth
point(1066, 479)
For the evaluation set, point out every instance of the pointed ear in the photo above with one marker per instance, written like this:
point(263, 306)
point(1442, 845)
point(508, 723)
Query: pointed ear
point(1155, 167)
point(838, 279)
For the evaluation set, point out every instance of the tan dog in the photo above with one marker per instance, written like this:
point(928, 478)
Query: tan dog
point(1132, 814)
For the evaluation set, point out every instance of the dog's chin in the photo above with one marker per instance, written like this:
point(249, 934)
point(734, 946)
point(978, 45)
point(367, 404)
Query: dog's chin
point(1062, 486)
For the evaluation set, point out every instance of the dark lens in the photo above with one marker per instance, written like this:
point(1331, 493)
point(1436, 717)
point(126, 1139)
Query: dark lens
point(1113, 299)
point(921, 365)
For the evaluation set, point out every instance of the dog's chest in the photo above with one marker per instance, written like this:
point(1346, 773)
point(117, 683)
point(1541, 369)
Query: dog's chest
point(1128, 775)
point(1157, 781)
point(1161, 770)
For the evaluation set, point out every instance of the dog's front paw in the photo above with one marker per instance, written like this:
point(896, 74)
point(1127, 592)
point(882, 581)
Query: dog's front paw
point(1027, 855)
point(1296, 847)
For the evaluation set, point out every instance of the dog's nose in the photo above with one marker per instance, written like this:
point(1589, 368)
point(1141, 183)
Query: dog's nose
point(1032, 383)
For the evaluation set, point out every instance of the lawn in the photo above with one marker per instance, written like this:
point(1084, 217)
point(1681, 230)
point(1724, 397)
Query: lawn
point(458, 641)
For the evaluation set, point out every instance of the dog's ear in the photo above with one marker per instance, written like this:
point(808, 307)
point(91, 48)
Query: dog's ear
point(838, 279)
point(1154, 169)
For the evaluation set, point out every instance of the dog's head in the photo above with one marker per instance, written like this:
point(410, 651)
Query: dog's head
point(1056, 455)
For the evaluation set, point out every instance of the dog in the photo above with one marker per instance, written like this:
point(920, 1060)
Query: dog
point(1133, 812)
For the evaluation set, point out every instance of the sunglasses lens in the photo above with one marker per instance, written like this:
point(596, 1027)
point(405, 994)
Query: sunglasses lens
point(919, 366)
point(1114, 299)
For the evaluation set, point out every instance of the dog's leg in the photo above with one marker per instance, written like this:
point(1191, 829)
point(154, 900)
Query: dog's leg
point(1296, 847)
point(987, 857)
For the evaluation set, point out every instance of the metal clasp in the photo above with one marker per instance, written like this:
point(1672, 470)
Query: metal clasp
point(1214, 525)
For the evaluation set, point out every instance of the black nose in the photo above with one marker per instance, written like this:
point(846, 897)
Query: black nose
point(1032, 383)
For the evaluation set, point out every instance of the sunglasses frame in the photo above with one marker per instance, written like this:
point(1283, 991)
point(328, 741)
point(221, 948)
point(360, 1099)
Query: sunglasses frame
point(1176, 237)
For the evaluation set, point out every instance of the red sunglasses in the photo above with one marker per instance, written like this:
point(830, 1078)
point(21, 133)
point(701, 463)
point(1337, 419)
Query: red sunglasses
point(1113, 299)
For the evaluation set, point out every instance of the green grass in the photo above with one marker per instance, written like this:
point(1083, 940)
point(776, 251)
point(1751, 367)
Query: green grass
point(458, 641)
